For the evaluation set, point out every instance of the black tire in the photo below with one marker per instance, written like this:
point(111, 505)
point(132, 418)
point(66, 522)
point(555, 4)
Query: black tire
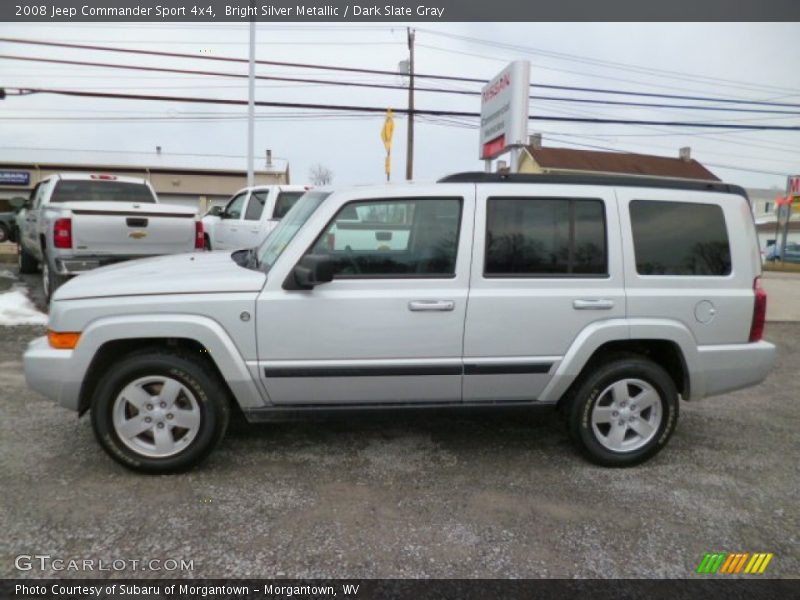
point(51, 281)
point(195, 374)
point(27, 263)
point(587, 393)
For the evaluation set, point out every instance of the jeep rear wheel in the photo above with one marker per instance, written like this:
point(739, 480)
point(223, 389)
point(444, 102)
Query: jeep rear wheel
point(159, 412)
point(624, 412)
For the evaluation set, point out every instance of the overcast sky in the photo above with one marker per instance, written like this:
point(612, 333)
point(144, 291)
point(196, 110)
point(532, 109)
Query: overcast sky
point(744, 61)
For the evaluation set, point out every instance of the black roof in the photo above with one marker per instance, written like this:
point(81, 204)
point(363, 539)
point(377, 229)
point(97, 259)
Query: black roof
point(595, 179)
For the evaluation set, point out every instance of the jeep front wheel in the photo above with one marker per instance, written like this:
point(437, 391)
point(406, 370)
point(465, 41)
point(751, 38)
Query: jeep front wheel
point(159, 412)
point(624, 412)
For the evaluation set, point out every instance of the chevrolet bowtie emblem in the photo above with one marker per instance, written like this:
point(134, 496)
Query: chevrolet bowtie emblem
point(137, 235)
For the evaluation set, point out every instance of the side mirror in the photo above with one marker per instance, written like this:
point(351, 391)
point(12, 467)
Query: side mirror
point(311, 271)
point(18, 202)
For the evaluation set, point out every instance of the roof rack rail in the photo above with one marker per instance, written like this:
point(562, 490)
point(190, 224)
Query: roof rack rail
point(595, 179)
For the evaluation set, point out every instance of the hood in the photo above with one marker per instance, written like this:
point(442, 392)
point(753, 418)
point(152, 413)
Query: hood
point(197, 272)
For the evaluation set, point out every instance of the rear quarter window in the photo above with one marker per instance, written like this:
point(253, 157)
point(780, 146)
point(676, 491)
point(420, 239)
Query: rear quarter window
point(679, 238)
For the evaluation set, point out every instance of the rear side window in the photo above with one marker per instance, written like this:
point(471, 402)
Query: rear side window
point(679, 238)
point(78, 190)
point(284, 202)
point(540, 237)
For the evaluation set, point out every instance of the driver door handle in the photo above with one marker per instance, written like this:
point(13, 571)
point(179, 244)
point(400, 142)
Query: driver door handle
point(431, 305)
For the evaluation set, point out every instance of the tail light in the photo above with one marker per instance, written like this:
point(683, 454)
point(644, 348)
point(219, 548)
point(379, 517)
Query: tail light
point(199, 239)
point(759, 311)
point(62, 233)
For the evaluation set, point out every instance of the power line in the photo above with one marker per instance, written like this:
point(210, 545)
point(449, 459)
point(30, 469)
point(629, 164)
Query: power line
point(391, 73)
point(381, 109)
point(666, 73)
point(195, 72)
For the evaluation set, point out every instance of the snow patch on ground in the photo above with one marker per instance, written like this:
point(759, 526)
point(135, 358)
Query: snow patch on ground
point(6, 274)
point(17, 309)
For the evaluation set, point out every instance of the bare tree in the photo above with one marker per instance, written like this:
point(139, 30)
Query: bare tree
point(319, 174)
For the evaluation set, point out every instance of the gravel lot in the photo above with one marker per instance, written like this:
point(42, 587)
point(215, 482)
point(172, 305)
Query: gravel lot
point(466, 496)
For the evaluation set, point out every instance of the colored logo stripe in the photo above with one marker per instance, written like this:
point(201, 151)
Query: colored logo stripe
point(758, 563)
point(711, 562)
point(724, 563)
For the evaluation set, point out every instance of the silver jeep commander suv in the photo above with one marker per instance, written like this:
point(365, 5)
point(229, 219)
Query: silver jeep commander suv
point(607, 297)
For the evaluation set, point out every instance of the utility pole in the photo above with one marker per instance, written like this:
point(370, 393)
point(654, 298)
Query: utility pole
point(410, 140)
point(251, 101)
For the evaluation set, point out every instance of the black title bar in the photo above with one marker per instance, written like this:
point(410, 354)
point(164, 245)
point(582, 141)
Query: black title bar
point(398, 10)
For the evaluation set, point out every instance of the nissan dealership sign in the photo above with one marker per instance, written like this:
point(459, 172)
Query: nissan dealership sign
point(504, 110)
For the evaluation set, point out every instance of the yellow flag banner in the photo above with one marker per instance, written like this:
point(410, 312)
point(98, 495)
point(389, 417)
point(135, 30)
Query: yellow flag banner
point(388, 130)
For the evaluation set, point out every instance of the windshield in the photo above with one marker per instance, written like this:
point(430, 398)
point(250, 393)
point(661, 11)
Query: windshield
point(279, 238)
point(80, 190)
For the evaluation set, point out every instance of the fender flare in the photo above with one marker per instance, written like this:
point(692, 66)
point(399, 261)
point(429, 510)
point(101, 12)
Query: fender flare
point(598, 333)
point(203, 330)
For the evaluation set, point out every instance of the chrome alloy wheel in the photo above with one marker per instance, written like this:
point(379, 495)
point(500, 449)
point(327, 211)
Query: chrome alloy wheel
point(156, 416)
point(626, 415)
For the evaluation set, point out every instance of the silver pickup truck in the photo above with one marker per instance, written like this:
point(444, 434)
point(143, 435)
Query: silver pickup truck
point(76, 222)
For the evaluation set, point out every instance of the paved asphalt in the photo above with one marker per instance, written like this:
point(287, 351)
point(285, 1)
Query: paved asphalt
point(466, 496)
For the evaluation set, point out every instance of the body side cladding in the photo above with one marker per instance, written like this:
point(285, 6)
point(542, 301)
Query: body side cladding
point(409, 370)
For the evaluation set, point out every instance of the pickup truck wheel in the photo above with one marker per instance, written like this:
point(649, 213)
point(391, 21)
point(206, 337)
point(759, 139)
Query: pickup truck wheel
point(624, 412)
point(27, 263)
point(51, 281)
point(159, 412)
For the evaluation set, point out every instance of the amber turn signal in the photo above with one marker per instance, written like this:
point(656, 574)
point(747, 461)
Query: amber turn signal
point(63, 340)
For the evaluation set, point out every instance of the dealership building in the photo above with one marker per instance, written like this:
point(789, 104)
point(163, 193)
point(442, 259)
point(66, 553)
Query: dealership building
point(189, 180)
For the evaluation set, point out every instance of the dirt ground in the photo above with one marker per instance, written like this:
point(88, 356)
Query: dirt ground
point(416, 497)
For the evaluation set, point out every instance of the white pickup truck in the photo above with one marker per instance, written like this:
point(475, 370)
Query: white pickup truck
point(77, 222)
point(250, 215)
point(363, 227)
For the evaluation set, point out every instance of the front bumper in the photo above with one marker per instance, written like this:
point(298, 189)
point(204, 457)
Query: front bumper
point(732, 367)
point(51, 373)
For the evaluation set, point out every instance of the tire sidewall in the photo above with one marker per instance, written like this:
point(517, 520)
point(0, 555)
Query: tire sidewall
point(213, 411)
point(589, 393)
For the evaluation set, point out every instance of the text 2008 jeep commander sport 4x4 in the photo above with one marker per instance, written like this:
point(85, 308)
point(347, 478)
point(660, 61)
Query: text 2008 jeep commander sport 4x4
point(610, 297)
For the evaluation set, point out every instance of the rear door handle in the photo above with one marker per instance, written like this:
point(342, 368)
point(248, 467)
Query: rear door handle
point(432, 305)
point(593, 304)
